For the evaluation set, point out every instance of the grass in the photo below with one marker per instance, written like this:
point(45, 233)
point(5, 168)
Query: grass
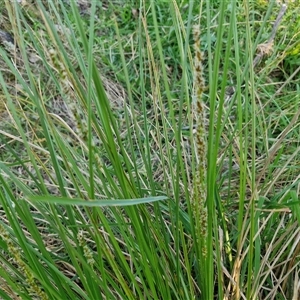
point(124, 175)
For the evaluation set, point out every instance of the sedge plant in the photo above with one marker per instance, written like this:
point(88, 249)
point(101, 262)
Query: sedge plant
point(127, 172)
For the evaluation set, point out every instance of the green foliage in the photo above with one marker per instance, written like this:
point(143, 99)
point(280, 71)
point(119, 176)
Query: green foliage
point(97, 165)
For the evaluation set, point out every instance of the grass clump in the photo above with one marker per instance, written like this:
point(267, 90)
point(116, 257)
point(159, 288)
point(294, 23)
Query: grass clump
point(124, 176)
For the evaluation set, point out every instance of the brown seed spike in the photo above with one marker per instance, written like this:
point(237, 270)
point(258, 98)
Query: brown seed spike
point(199, 184)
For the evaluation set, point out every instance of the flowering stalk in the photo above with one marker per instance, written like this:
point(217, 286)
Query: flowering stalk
point(87, 252)
point(33, 287)
point(77, 120)
point(199, 185)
